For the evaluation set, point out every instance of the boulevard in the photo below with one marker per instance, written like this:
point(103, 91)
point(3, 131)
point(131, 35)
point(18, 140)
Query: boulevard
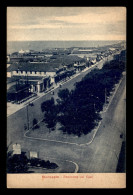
point(101, 156)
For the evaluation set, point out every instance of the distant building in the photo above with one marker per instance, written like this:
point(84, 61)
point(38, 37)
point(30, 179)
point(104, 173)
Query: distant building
point(16, 149)
point(21, 51)
point(34, 69)
point(41, 75)
point(112, 49)
point(33, 154)
point(64, 74)
point(79, 66)
point(93, 61)
point(37, 84)
point(18, 92)
point(98, 58)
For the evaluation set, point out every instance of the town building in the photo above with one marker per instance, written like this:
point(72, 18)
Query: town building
point(37, 84)
point(79, 66)
point(36, 77)
point(33, 69)
point(18, 92)
point(16, 149)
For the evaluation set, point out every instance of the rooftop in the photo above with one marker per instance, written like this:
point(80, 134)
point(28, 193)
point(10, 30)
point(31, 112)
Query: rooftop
point(39, 67)
point(68, 59)
point(16, 88)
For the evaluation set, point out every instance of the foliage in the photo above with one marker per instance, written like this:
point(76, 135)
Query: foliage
point(78, 110)
point(36, 162)
point(17, 163)
point(63, 94)
point(50, 113)
point(35, 125)
point(45, 106)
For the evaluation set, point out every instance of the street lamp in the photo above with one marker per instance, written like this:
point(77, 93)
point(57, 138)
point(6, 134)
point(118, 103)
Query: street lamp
point(28, 122)
point(27, 117)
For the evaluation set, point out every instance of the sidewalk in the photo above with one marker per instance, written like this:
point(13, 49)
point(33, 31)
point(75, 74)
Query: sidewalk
point(58, 136)
point(12, 108)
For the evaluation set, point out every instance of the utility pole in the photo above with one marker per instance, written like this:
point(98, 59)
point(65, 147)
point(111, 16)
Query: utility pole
point(27, 110)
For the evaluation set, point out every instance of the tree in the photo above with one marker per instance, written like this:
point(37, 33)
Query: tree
point(78, 110)
point(45, 106)
point(63, 94)
point(17, 163)
point(50, 113)
point(50, 120)
point(35, 125)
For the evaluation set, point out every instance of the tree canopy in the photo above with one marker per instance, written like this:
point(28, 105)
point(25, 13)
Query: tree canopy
point(78, 110)
point(17, 163)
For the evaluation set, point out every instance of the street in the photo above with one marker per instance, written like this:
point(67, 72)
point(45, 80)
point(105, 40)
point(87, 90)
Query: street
point(12, 108)
point(101, 156)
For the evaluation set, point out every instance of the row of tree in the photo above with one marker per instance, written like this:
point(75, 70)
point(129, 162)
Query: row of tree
point(19, 163)
point(78, 110)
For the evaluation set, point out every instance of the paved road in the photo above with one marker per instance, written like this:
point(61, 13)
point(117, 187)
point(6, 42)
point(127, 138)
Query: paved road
point(103, 153)
point(17, 114)
point(100, 156)
point(12, 108)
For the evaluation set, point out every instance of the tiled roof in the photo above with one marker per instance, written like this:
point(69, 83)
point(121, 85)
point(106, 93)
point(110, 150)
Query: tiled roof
point(68, 59)
point(39, 67)
point(14, 89)
point(29, 77)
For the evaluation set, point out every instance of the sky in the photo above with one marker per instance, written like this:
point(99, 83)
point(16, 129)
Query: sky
point(66, 23)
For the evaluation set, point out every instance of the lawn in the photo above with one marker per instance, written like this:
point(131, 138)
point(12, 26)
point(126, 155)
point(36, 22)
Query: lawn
point(63, 167)
point(43, 133)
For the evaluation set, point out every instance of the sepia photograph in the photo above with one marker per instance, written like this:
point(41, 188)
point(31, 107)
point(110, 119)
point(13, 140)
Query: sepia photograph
point(66, 97)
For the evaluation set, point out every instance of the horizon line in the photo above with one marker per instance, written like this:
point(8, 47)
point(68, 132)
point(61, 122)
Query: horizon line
point(66, 40)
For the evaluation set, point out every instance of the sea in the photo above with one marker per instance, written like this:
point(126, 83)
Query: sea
point(15, 46)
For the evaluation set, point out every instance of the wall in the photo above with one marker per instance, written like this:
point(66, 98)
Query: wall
point(28, 73)
point(52, 79)
point(33, 73)
point(51, 74)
